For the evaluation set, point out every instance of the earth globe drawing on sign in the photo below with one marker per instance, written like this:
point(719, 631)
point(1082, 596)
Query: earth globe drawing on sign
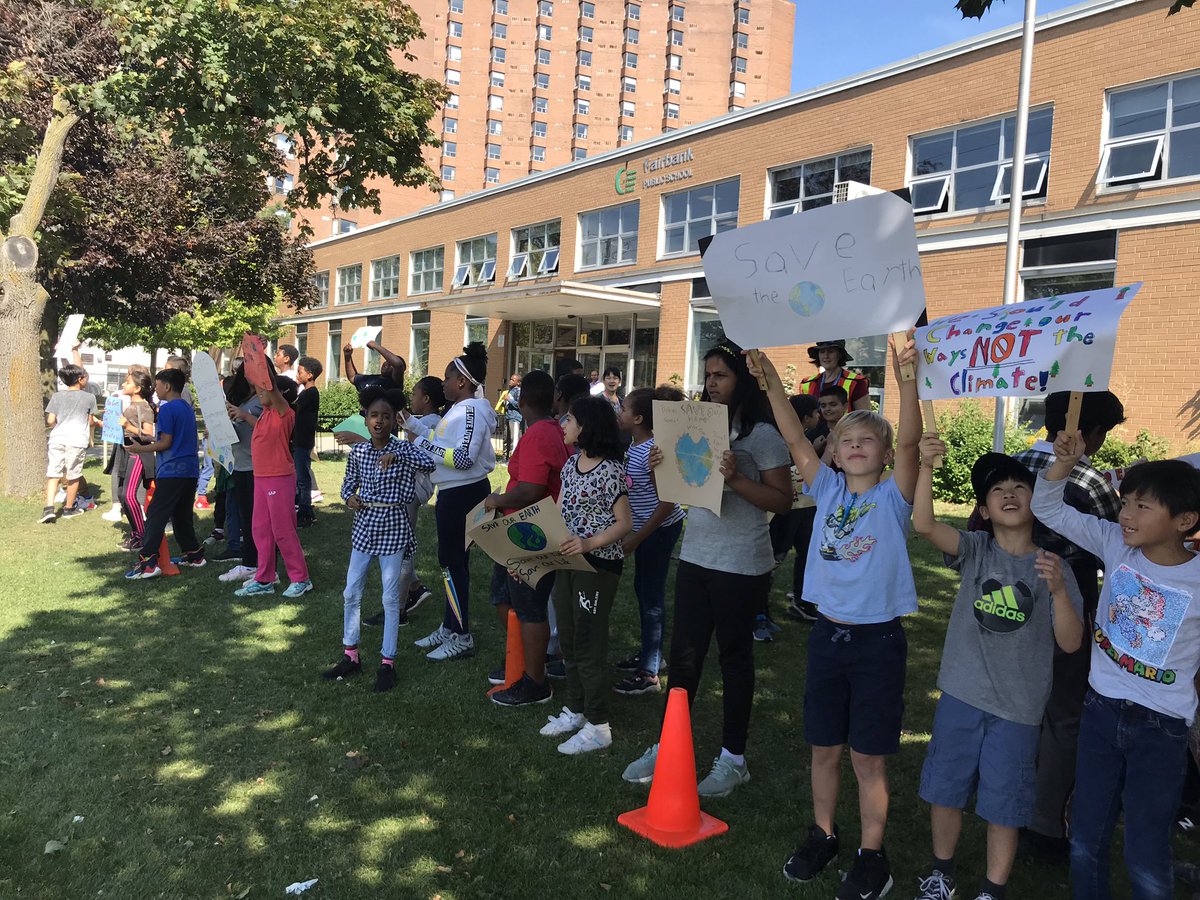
point(527, 536)
point(806, 299)
point(694, 457)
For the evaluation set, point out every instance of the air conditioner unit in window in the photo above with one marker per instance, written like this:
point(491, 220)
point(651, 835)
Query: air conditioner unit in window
point(852, 190)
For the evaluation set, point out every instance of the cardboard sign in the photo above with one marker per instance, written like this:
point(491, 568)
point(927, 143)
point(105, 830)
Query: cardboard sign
point(1027, 349)
point(69, 337)
point(477, 517)
point(221, 434)
point(256, 368)
point(113, 432)
point(840, 271)
point(528, 541)
point(364, 336)
point(693, 437)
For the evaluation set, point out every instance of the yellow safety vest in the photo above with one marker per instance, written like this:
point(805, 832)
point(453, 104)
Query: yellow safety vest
point(814, 383)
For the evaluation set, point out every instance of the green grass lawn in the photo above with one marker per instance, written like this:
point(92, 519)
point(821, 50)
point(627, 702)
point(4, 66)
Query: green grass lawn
point(190, 731)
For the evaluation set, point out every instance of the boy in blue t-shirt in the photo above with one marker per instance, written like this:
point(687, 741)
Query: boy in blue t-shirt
point(177, 471)
point(859, 576)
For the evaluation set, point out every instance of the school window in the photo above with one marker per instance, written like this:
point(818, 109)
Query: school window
point(372, 361)
point(676, 38)
point(495, 126)
point(500, 7)
point(321, 286)
point(476, 261)
point(535, 250)
point(691, 215)
point(545, 8)
point(629, 84)
point(737, 89)
point(739, 64)
point(425, 270)
point(456, 6)
point(674, 62)
point(608, 237)
point(497, 79)
point(302, 338)
point(809, 185)
point(499, 31)
point(579, 154)
point(495, 102)
point(491, 176)
point(743, 16)
point(1153, 133)
point(349, 284)
point(452, 101)
point(543, 57)
point(631, 60)
point(631, 35)
point(453, 76)
point(538, 154)
point(585, 58)
point(587, 10)
point(446, 195)
point(633, 11)
point(447, 173)
point(542, 80)
point(672, 110)
point(743, 41)
point(673, 86)
point(456, 31)
point(476, 330)
point(581, 132)
point(418, 353)
point(333, 352)
point(385, 278)
point(626, 130)
point(970, 167)
point(450, 126)
point(540, 105)
point(585, 34)
point(282, 185)
point(449, 149)
point(545, 32)
point(344, 226)
point(284, 145)
point(539, 129)
point(499, 54)
point(583, 82)
point(493, 151)
point(676, 13)
point(628, 108)
point(582, 107)
point(454, 53)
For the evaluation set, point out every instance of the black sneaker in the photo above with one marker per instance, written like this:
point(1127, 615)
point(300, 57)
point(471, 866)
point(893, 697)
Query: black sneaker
point(194, 558)
point(417, 594)
point(523, 693)
point(496, 676)
point(556, 668)
point(402, 619)
point(801, 611)
point(869, 878)
point(68, 513)
point(130, 544)
point(638, 683)
point(228, 555)
point(630, 664)
point(374, 621)
point(47, 515)
point(1041, 848)
point(385, 678)
point(817, 851)
point(936, 886)
point(217, 535)
point(344, 669)
point(144, 568)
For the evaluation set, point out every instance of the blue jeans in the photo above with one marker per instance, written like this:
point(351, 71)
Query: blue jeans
point(397, 570)
point(652, 559)
point(303, 461)
point(1132, 759)
point(233, 522)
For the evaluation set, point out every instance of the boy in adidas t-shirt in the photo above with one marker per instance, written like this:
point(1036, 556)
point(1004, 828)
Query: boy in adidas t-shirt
point(1015, 602)
point(1145, 652)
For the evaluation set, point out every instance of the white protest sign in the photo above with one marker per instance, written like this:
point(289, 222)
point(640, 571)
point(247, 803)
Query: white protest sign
point(840, 271)
point(527, 542)
point(1115, 476)
point(1027, 349)
point(364, 336)
point(69, 337)
point(693, 437)
point(221, 435)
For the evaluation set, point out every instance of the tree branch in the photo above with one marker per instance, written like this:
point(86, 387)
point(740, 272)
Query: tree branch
point(47, 168)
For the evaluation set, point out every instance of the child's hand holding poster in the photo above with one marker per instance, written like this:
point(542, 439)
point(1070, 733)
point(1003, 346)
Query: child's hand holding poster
point(693, 437)
point(113, 432)
point(1027, 349)
point(527, 542)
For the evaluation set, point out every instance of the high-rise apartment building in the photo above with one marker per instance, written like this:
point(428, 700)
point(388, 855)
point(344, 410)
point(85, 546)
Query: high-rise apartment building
point(539, 83)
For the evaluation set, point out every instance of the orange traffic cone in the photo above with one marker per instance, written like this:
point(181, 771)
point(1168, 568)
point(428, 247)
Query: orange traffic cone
point(514, 656)
point(164, 559)
point(672, 817)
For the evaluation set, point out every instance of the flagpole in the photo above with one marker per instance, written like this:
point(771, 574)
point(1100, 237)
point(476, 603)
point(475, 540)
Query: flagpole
point(1016, 189)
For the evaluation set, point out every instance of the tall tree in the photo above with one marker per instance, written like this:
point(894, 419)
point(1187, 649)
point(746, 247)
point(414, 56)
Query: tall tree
point(198, 88)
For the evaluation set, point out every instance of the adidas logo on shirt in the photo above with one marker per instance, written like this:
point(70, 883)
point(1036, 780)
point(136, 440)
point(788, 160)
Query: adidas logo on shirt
point(1003, 608)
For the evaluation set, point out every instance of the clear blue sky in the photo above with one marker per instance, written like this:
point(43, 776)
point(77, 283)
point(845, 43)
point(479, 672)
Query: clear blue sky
point(835, 40)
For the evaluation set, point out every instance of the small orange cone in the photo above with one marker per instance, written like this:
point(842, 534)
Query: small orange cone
point(164, 559)
point(514, 656)
point(672, 816)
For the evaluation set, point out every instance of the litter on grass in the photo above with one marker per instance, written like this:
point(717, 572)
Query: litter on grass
point(299, 887)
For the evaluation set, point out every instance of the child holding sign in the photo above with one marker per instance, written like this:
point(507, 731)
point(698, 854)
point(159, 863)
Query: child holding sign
point(1145, 654)
point(859, 576)
point(1015, 605)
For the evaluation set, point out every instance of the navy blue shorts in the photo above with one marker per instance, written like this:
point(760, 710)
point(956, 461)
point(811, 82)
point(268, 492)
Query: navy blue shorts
point(530, 604)
point(974, 752)
point(854, 688)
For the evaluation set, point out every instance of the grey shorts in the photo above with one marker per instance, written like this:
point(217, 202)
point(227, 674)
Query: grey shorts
point(65, 462)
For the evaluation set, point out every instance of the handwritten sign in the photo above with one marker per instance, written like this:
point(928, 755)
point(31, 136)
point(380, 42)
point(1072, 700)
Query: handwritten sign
point(1115, 476)
point(477, 517)
point(69, 337)
point(258, 371)
point(364, 336)
point(527, 542)
point(840, 271)
point(1028, 349)
point(693, 437)
point(113, 432)
point(221, 435)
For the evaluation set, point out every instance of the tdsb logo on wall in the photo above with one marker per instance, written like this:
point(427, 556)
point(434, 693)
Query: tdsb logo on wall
point(626, 180)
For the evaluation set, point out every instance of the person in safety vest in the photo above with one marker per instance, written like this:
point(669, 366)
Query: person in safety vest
point(831, 357)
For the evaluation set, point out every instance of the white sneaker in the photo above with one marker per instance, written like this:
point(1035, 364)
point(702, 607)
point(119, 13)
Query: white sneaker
point(455, 646)
point(564, 723)
point(252, 579)
point(588, 738)
point(113, 514)
point(237, 573)
point(315, 497)
point(434, 639)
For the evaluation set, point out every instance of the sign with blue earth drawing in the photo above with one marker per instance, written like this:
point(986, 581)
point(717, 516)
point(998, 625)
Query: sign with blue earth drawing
point(841, 271)
point(693, 437)
point(527, 541)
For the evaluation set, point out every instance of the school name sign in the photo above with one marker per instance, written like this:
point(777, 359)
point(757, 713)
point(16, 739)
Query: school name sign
point(1063, 343)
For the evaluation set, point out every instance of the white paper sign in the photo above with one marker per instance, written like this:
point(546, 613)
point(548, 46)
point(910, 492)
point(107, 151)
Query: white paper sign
point(841, 271)
point(69, 337)
point(221, 435)
point(364, 336)
point(1028, 349)
point(693, 437)
point(1115, 476)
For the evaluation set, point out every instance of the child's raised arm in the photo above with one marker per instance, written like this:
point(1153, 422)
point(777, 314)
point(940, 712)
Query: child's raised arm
point(908, 436)
point(939, 534)
point(803, 455)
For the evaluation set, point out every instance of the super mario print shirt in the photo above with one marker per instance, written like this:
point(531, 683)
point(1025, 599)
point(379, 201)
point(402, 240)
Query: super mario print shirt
point(999, 651)
point(1146, 639)
point(858, 569)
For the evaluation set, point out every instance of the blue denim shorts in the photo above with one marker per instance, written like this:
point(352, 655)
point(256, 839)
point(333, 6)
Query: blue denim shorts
point(530, 604)
point(974, 752)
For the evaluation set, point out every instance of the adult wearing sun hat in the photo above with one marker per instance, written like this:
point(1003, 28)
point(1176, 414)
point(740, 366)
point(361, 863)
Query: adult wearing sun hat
point(831, 357)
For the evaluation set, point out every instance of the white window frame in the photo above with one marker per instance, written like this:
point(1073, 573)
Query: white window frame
point(626, 134)
point(1042, 161)
point(584, 55)
point(500, 31)
point(633, 12)
point(719, 222)
point(630, 60)
point(426, 267)
point(495, 126)
point(628, 108)
point(474, 265)
point(285, 145)
point(539, 129)
point(1159, 137)
point(452, 101)
point(456, 6)
point(343, 285)
point(676, 41)
point(674, 62)
point(776, 208)
point(672, 110)
point(546, 8)
point(453, 76)
point(586, 34)
point(499, 55)
point(583, 107)
point(545, 32)
point(450, 126)
point(491, 175)
point(493, 151)
point(500, 7)
point(583, 83)
point(579, 154)
point(742, 41)
point(453, 51)
point(632, 36)
point(541, 80)
point(541, 105)
point(380, 280)
point(456, 31)
point(620, 236)
point(495, 103)
point(528, 260)
point(587, 10)
point(581, 131)
point(448, 173)
point(320, 282)
point(537, 153)
point(628, 84)
point(497, 78)
point(543, 56)
point(678, 12)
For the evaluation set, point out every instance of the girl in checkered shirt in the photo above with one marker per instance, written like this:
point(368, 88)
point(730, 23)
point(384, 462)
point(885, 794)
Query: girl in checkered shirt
point(380, 484)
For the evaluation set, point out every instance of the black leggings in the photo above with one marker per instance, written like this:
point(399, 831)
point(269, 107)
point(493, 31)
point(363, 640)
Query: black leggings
point(708, 601)
point(453, 504)
point(243, 490)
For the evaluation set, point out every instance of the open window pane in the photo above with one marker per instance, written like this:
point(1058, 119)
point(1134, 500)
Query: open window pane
point(462, 275)
point(549, 262)
point(930, 196)
point(1135, 159)
point(1034, 179)
point(517, 267)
